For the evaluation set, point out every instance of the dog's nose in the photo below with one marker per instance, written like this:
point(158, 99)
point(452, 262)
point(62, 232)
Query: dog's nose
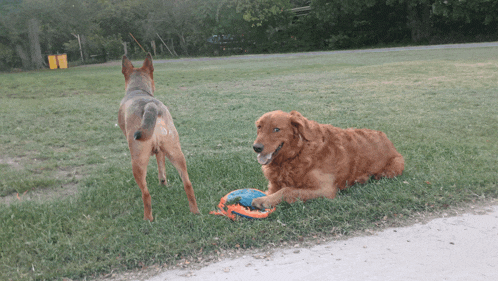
point(258, 147)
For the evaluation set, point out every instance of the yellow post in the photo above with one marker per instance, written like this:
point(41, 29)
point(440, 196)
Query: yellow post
point(52, 62)
point(62, 59)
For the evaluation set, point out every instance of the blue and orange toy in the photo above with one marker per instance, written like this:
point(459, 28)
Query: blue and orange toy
point(238, 203)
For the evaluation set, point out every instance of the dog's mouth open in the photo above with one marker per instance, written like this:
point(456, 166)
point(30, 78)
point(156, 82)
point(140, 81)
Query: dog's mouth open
point(265, 159)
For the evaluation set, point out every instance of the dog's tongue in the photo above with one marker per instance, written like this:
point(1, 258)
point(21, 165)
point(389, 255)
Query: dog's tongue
point(264, 159)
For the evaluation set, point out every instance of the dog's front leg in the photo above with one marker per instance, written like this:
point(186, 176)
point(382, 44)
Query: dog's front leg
point(269, 201)
point(292, 194)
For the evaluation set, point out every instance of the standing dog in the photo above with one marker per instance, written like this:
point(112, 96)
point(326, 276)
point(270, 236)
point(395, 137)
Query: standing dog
point(149, 129)
point(304, 160)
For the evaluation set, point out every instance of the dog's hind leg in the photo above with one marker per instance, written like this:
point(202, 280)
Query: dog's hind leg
point(394, 168)
point(161, 168)
point(176, 157)
point(139, 166)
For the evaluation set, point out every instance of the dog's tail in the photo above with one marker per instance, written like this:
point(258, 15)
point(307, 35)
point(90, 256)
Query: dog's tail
point(148, 122)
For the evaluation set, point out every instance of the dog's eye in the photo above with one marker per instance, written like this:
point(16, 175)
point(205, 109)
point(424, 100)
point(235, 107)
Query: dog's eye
point(276, 130)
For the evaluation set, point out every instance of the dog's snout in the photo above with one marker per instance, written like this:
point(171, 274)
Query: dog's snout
point(258, 147)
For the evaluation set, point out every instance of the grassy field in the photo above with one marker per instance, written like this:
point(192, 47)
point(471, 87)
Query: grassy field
point(60, 146)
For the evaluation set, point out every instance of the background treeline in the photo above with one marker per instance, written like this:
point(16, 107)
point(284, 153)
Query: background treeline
point(98, 30)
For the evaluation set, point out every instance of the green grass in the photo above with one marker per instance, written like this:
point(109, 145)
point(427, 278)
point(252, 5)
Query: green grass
point(58, 128)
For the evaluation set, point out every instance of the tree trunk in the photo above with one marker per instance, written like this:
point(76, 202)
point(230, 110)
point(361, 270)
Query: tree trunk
point(125, 48)
point(171, 52)
point(34, 40)
point(153, 45)
point(419, 21)
point(83, 43)
point(26, 63)
point(172, 45)
point(183, 43)
point(81, 51)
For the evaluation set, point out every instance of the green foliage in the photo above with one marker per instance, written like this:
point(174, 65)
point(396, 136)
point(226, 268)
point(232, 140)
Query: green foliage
point(7, 57)
point(259, 11)
point(113, 46)
point(365, 23)
point(331, 11)
point(72, 48)
point(482, 11)
point(355, 24)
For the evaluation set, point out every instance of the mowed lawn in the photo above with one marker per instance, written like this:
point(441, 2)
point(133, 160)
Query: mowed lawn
point(70, 207)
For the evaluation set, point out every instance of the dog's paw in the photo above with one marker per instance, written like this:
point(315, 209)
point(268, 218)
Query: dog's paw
point(148, 217)
point(164, 182)
point(195, 211)
point(261, 203)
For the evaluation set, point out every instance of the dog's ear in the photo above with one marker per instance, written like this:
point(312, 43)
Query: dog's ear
point(302, 125)
point(126, 66)
point(148, 63)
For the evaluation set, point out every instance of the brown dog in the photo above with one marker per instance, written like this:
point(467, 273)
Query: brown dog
point(304, 160)
point(149, 129)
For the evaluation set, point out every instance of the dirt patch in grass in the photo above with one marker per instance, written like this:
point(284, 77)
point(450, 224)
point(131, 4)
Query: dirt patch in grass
point(14, 163)
point(70, 175)
point(42, 195)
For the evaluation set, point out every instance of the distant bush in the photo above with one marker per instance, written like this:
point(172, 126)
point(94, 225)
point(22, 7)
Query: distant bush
point(8, 58)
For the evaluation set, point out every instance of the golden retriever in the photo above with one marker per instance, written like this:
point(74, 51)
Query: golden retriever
point(303, 159)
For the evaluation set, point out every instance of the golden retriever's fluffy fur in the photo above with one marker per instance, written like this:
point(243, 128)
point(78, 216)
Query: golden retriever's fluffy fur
point(303, 159)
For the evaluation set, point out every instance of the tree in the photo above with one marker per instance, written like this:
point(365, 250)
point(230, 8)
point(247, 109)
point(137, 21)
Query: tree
point(35, 28)
point(424, 17)
point(34, 39)
point(31, 29)
point(259, 11)
point(357, 23)
point(482, 11)
point(179, 21)
point(24, 33)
